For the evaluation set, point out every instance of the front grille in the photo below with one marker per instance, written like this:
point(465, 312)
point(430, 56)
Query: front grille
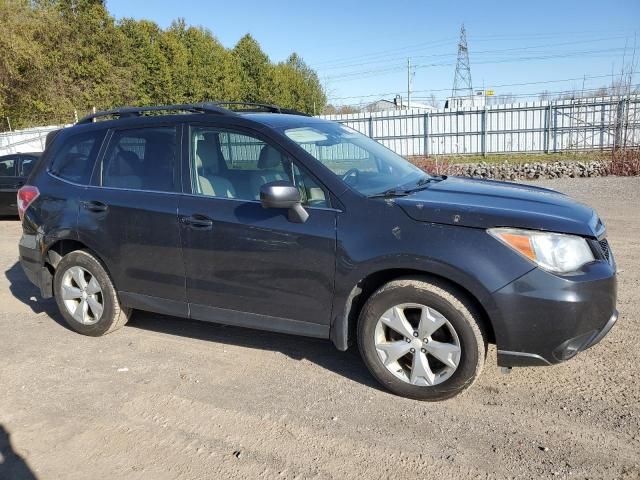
point(604, 248)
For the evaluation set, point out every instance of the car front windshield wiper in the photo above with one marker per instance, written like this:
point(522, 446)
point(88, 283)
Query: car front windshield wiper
point(421, 184)
point(425, 181)
point(392, 192)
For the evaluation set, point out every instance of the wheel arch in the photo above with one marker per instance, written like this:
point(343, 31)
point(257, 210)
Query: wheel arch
point(62, 247)
point(344, 327)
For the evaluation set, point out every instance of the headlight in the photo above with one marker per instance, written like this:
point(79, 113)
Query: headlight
point(556, 252)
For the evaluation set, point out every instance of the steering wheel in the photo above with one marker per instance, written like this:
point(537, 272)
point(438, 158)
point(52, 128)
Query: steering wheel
point(352, 172)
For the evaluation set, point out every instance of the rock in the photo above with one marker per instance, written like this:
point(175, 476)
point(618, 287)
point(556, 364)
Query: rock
point(529, 170)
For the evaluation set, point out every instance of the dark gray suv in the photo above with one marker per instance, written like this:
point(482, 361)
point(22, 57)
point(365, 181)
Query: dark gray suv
point(269, 219)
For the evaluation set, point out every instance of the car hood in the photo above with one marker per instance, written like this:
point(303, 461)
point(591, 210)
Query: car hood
point(486, 203)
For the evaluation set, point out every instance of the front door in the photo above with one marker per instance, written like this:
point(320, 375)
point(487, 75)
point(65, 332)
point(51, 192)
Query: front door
point(248, 265)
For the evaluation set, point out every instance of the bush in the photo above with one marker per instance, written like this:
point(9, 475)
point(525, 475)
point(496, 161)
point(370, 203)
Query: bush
point(432, 165)
point(625, 163)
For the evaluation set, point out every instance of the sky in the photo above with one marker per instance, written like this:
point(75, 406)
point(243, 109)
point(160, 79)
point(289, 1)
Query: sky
point(360, 48)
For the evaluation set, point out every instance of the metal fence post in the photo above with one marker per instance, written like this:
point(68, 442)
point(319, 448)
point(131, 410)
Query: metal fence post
point(484, 132)
point(425, 149)
point(555, 126)
point(371, 126)
point(617, 137)
point(547, 126)
point(602, 117)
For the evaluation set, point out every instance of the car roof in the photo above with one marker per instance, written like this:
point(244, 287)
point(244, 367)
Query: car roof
point(283, 120)
point(264, 119)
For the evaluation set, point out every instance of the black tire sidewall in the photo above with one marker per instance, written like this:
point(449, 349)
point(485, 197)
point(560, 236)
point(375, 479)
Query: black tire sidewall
point(471, 359)
point(86, 261)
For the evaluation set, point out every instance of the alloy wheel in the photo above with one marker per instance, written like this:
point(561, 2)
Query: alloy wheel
point(417, 344)
point(82, 295)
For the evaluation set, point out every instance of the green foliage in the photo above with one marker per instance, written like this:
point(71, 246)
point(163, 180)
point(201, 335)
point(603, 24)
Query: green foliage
point(61, 56)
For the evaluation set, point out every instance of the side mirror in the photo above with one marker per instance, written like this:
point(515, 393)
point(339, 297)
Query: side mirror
point(282, 194)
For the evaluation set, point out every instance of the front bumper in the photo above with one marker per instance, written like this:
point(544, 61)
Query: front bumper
point(32, 263)
point(543, 319)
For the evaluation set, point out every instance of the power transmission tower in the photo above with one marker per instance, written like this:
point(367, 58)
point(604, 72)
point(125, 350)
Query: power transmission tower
point(462, 86)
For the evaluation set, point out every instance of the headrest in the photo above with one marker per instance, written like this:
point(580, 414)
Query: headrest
point(205, 154)
point(269, 158)
point(127, 163)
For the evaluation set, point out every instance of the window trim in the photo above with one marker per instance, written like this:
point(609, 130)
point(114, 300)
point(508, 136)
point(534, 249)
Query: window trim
point(96, 175)
point(242, 130)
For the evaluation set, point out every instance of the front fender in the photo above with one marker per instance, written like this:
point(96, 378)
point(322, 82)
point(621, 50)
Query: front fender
point(467, 257)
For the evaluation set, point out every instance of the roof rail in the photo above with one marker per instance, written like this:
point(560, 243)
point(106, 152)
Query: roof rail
point(217, 108)
point(127, 112)
point(257, 107)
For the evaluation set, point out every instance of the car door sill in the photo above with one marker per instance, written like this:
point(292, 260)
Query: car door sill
point(255, 320)
point(154, 304)
point(224, 316)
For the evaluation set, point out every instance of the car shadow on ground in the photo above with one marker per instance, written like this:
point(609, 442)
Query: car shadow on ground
point(22, 289)
point(12, 465)
point(319, 351)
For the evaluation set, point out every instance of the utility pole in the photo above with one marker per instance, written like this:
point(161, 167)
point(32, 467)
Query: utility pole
point(408, 83)
point(462, 86)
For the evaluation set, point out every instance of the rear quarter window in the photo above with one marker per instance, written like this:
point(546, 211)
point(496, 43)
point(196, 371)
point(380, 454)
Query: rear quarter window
point(75, 158)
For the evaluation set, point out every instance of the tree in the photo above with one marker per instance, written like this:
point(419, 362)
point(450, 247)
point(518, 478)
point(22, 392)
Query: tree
point(254, 70)
point(65, 55)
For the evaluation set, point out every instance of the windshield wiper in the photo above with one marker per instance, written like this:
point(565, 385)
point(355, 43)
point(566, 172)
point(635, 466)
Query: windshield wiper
point(403, 192)
point(392, 192)
point(424, 183)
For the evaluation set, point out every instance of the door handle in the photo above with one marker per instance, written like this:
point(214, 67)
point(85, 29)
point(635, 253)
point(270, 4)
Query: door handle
point(94, 206)
point(198, 222)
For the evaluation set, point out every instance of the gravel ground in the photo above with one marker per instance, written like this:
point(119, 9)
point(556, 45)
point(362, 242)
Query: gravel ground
point(169, 398)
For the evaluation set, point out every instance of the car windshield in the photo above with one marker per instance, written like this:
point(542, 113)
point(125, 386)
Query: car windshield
point(361, 162)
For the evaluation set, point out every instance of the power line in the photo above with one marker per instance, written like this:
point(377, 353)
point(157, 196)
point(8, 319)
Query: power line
point(386, 58)
point(608, 75)
point(615, 33)
point(521, 95)
point(396, 67)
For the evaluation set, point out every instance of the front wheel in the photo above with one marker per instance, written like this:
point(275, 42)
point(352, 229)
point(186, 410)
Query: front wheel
point(422, 339)
point(86, 296)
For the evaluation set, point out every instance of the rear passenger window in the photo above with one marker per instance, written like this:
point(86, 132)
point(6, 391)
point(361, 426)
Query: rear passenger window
point(142, 159)
point(74, 160)
point(26, 166)
point(8, 167)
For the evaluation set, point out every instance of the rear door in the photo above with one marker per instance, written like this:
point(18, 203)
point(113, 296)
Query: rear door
point(248, 265)
point(129, 213)
point(9, 184)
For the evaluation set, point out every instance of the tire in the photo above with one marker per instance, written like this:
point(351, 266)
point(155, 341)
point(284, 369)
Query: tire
point(68, 290)
point(463, 330)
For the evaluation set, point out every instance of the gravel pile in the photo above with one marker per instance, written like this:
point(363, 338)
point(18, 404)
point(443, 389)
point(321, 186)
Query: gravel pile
point(530, 171)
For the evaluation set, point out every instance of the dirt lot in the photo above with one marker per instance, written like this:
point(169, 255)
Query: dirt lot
point(169, 398)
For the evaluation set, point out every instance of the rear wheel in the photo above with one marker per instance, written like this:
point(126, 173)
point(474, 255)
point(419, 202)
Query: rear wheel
point(421, 339)
point(86, 297)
